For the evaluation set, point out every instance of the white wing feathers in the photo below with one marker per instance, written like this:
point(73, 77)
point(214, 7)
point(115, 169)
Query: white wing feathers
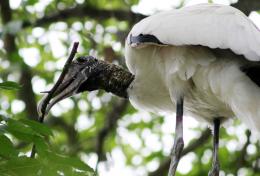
point(211, 25)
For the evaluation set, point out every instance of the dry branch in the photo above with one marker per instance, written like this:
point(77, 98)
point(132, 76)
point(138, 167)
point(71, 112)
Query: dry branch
point(111, 122)
point(84, 10)
point(55, 87)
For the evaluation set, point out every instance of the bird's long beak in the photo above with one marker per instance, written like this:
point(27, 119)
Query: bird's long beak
point(79, 72)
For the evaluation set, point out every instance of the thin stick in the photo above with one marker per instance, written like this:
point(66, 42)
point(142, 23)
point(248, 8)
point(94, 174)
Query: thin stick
point(55, 87)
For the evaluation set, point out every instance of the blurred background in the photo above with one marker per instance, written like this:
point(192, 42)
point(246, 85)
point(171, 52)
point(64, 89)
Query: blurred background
point(35, 41)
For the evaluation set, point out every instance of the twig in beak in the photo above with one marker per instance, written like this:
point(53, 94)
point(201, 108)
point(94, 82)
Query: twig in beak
point(48, 97)
point(46, 91)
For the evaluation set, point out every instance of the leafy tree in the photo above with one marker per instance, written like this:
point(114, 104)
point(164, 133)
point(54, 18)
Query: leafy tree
point(35, 37)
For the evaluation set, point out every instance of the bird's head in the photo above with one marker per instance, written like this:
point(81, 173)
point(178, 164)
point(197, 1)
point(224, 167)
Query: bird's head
point(89, 74)
point(80, 71)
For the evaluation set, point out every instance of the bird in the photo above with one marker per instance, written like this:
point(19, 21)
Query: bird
point(201, 60)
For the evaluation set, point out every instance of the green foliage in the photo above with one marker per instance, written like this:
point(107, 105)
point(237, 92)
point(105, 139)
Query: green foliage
point(52, 165)
point(113, 4)
point(9, 85)
point(7, 149)
point(15, 162)
point(70, 133)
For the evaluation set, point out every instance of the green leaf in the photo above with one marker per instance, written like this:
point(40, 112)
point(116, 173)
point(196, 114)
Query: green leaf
point(69, 162)
point(41, 145)
point(4, 117)
point(6, 147)
point(22, 166)
point(9, 85)
point(20, 131)
point(37, 127)
point(31, 2)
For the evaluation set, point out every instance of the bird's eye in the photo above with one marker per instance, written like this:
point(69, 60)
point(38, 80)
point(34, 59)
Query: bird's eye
point(86, 59)
point(81, 59)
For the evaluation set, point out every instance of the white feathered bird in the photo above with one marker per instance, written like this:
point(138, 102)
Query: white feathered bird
point(205, 55)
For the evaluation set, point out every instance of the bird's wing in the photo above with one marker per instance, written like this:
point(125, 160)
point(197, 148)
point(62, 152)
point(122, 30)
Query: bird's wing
point(211, 25)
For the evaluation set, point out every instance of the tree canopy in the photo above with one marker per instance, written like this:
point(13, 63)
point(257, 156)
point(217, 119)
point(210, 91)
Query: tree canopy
point(35, 40)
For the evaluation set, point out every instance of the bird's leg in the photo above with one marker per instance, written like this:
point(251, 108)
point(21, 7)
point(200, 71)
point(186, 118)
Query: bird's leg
point(178, 140)
point(215, 164)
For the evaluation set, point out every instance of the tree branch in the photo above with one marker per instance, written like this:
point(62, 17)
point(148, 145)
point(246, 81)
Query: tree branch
point(6, 15)
point(85, 11)
point(68, 129)
point(112, 117)
point(241, 159)
point(26, 92)
point(163, 168)
point(45, 101)
point(247, 6)
point(80, 11)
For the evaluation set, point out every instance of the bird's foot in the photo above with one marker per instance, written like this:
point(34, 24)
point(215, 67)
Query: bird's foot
point(214, 171)
point(177, 149)
point(175, 156)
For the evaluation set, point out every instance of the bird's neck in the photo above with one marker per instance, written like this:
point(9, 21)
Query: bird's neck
point(116, 80)
point(111, 78)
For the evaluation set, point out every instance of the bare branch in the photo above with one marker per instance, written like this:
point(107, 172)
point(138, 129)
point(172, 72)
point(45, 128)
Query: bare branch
point(85, 11)
point(247, 6)
point(64, 71)
point(111, 122)
point(47, 99)
point(240, 161)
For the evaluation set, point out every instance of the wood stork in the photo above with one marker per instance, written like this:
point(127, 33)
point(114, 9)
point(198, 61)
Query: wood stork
point(202, 60)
